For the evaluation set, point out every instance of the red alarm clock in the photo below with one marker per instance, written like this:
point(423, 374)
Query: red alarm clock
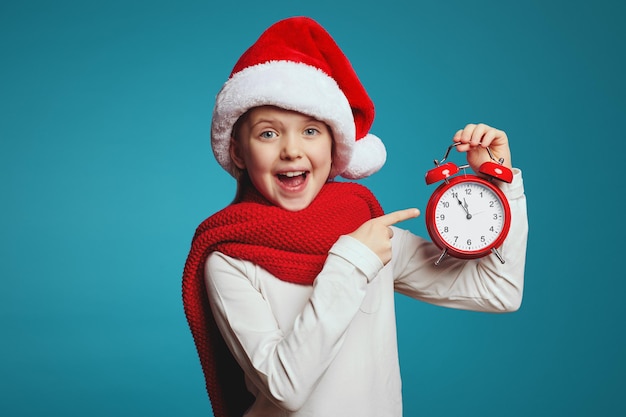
point(468, 216)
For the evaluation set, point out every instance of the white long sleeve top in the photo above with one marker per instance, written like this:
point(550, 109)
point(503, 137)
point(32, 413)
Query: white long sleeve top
point(330, 349)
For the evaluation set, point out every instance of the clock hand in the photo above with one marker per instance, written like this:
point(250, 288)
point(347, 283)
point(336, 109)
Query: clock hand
point(464, 206)
point(469, 216)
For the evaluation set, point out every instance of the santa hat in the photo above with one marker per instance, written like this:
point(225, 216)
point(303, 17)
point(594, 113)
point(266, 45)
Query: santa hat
point(296, 65)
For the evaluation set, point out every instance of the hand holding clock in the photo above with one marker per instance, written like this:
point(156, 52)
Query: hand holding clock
point(474, 137)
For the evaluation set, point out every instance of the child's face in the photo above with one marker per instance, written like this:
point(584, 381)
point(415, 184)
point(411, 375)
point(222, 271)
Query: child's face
point(287, 154)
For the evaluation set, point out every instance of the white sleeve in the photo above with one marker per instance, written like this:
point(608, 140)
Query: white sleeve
point(482, 285)
point(286, 365)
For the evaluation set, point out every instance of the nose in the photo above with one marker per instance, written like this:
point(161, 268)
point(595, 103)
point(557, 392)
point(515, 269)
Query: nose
point(290, 148)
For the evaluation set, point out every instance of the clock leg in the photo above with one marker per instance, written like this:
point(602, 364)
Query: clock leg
point(495, 251)
point(443, 254)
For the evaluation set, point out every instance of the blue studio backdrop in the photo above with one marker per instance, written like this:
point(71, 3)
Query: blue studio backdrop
point(106, 170)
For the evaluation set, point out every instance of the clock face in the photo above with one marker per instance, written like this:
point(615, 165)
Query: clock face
point(469, 217)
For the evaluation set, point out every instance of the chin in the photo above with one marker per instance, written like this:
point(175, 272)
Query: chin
point(293, 206)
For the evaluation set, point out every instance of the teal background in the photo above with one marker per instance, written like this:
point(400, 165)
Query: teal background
point(106, 170)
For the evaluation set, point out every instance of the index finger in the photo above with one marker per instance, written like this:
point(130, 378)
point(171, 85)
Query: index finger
point(399, 216)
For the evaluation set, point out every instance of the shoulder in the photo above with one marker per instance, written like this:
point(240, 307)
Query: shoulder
point(219, 267)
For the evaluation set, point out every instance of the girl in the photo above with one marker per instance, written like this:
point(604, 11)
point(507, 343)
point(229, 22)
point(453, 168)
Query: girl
point(289, 291)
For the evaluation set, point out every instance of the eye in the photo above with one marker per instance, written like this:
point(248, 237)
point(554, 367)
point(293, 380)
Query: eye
point(311, 131)
point(268, 134)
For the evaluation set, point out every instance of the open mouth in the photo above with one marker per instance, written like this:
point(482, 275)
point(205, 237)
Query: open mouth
point(292, 179)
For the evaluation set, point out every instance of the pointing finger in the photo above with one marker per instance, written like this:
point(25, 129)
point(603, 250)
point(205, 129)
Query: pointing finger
point(398, 216)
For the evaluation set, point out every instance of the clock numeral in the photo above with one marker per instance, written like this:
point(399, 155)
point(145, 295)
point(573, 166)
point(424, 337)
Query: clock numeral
point(445, 229)
point(445, 204)
point(469, 242)
point(491, 229)
point(456, 238)
point(482, 239)
point(492, 203)
point(468, 191)
point(442, 216)
point(495, 216)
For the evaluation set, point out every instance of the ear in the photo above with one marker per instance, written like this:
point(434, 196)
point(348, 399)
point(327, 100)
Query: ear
point(235, 154)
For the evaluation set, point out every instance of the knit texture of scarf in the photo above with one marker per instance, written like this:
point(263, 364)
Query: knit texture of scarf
point(292, 246)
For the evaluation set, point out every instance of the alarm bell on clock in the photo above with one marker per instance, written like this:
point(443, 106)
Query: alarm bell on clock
point(468, 216)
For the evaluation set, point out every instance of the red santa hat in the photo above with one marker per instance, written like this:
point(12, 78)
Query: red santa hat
point(296, 65)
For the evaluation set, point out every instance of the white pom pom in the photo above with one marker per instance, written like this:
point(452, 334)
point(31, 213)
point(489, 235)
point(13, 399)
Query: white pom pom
point(368, 156)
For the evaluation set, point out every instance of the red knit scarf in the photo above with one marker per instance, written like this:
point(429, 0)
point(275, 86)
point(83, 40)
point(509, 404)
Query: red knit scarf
point(292, 246)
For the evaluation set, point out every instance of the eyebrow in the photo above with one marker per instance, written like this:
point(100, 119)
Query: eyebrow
point(309, 119)
point(263, 120)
